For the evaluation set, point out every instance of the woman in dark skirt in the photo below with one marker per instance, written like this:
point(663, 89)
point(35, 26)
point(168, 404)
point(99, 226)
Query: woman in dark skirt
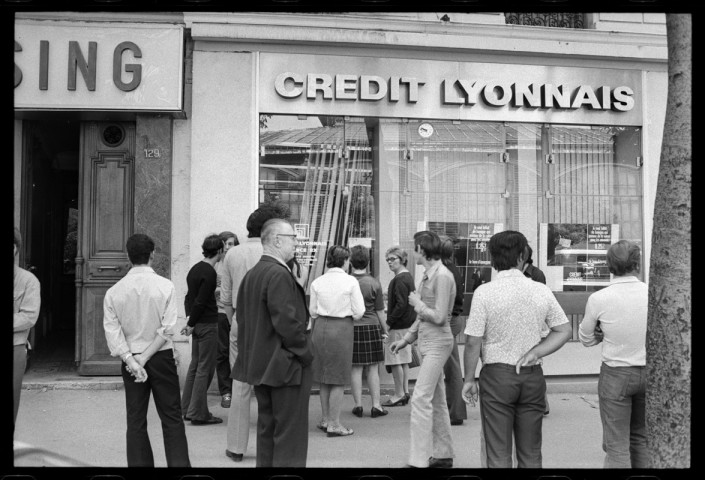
point(368, 350)
point(336, 300)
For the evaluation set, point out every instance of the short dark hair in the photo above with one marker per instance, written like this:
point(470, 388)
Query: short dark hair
point(359, 257)
point(139, 247)
point(430, 243)
point(447, 248)
point(506, 248)
point(336, 256)
point(227, 234)
point(18, 239)
point(527, 255)
point(259, 217)
point(212, 245)
point(623, 257)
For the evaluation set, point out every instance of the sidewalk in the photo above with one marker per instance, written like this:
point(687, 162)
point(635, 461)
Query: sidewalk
point(88, 425)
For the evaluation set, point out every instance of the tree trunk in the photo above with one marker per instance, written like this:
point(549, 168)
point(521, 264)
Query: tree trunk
point(668, 344)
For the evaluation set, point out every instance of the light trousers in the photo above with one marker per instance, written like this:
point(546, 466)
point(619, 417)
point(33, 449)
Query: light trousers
point(238, 433)
point(430, 423)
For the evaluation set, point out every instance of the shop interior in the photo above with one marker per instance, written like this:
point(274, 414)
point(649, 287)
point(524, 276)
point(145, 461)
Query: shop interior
point(571, 189)
point(49, 224)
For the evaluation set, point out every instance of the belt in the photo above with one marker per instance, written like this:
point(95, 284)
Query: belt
point(513, 368)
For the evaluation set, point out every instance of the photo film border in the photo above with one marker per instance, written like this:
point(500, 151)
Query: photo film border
point(349, 5)
point(84, 473)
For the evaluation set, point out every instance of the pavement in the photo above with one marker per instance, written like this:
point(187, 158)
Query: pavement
point(70, 421)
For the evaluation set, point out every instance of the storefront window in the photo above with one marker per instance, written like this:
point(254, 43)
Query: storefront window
point(375, 181)
point(592, 198)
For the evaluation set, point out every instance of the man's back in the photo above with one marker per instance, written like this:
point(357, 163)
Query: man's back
point(509, 312)
point(140, 300)
point(237, 262)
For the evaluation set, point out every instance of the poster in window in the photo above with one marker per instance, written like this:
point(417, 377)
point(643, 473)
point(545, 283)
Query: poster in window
point(576, 255)
point(471, 254)
point(308, 251)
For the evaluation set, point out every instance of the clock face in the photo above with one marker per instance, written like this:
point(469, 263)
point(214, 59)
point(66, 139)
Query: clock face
point(425, 130)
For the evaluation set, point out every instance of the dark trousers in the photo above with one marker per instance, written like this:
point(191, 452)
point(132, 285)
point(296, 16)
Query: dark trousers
point(19, 364)
point(622, 394)
point(222, 361)
point(204, 348)
point(511, 403)
point(454, 377)
point(282, 423)
point(163, 382)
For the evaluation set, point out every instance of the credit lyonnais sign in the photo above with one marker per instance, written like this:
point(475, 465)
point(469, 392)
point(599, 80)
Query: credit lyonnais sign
point(306, 84)
point(88, 66)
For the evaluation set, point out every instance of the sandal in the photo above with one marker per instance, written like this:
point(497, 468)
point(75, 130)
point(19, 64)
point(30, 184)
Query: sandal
point(339, 431)
point(322, 426)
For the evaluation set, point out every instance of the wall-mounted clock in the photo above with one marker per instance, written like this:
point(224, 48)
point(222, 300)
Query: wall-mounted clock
point(425, 130)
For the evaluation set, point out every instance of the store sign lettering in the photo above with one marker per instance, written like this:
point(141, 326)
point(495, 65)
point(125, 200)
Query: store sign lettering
point(372, 88)
point(86, 63)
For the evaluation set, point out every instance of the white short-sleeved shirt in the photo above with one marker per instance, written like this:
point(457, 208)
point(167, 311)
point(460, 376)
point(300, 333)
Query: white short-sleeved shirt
point(336, 294)
point(508, 313)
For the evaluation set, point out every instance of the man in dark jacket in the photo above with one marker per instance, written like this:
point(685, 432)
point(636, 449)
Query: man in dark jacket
point(274, 349)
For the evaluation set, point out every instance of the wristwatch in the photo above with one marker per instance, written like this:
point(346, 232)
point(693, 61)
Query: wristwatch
point(127, 355)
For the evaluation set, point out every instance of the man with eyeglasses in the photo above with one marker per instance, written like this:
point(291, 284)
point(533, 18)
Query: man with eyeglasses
point(237, 262)
point(275, 350)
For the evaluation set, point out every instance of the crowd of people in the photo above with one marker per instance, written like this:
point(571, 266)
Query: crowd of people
point(252, 326)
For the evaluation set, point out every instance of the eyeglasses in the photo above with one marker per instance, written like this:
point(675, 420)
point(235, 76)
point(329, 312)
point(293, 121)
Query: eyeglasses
point(391, 259)
point(291, 235)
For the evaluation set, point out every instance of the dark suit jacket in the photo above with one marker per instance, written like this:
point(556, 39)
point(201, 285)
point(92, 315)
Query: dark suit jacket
point(273, 345)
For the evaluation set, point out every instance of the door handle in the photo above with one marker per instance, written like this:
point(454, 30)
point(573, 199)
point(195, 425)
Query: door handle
point(109, 267)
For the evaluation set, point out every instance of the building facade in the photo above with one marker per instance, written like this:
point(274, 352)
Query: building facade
point(368, 127)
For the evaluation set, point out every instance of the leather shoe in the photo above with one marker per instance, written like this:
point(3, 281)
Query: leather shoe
point(209, 421)
point(226, 400)
point(389, 403)
point(376, 412)
point(187, 419)
point(457, 422)
point(236, 457)
point(357, 411)
point(440, 462)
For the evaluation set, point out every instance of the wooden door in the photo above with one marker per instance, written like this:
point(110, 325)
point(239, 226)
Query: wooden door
point(106, 221)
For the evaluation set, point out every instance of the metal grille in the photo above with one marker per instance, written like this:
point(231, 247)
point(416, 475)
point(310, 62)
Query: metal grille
point(562, 20)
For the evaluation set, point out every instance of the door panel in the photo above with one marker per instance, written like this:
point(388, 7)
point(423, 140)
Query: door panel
point(107, 179)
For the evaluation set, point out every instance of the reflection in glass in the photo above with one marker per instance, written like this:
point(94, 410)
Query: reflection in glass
point(376, 181)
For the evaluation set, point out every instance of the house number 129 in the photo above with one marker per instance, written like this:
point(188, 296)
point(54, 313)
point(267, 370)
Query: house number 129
point(151, 153)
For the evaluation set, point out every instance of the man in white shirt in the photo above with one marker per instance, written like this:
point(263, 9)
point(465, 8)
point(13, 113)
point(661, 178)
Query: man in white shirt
point(505, 323)
point(139, 316)
point(27, 301)
point(621, 310)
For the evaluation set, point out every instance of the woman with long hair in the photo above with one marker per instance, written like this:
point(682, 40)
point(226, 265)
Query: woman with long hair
point(431, 443)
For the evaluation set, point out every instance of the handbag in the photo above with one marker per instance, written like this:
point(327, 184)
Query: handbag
point(415, 357)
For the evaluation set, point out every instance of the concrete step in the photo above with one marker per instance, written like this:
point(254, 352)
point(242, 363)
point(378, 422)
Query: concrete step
point(73, 381)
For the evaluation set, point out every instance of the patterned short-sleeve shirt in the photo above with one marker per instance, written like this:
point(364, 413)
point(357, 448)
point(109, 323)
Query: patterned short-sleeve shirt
point(508, 313)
